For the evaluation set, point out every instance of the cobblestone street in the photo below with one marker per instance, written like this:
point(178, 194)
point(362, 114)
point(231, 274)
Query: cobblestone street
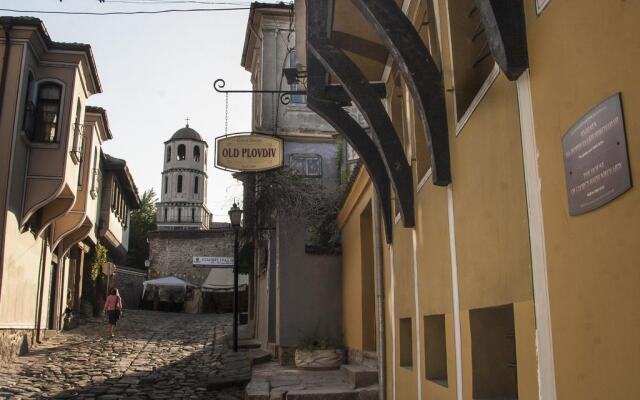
point(153, 356)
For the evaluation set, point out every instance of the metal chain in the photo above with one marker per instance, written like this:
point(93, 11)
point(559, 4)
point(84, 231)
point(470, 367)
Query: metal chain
point(226, 113)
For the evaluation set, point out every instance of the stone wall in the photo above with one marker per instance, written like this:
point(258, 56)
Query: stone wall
point(14, 342)
point(129, 283)
point(171, 252)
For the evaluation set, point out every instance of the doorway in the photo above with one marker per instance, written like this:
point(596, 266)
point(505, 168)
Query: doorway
point(53, 289)
point(367, 281)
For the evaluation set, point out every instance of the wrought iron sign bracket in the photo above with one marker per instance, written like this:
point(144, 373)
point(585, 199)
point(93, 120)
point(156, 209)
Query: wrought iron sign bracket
point(285, 95)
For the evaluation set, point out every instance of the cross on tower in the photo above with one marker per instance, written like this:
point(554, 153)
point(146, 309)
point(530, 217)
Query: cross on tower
point(187, 119)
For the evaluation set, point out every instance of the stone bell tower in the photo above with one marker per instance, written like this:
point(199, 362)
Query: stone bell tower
point(184, 183)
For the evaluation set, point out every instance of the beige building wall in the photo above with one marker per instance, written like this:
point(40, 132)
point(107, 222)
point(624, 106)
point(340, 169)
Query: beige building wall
point(582, 52)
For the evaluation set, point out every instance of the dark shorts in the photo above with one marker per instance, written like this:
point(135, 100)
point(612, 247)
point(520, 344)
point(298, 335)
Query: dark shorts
point(114, 316)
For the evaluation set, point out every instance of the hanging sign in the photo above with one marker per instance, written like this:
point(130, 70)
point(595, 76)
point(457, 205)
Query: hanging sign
point(213, 262)
point(249, 152)
point(595, 158)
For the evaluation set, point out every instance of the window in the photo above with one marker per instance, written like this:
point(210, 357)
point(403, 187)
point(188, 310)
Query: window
point(179, 214)
point(78, 142)
point(196, 153)
point(168, 153)
point(179, 188)
point(95, 174)
point(296, 98)
point(406, 343)
point(428, 30)
point(182, 152)
point(29, 107)
point(435, 349)
point(193, 215)
point(195, 185)
point(472, 59)
point(166, 212)
point(47, 113)
point(422, 153)
point(306, 164)
point(493, 353)
point(166, 184)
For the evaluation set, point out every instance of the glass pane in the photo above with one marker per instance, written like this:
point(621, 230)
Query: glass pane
point(50, 92)
point(298, 165)
point(314, 166)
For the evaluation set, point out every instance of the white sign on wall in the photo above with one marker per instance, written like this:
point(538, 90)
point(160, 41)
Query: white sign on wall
point(213, 262)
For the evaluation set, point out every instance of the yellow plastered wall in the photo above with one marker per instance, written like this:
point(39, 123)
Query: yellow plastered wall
point(434, 279)
point(582, 52)
point(351, 265)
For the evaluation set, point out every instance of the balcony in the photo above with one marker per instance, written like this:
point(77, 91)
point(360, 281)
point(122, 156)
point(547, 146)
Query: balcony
point(77, 149)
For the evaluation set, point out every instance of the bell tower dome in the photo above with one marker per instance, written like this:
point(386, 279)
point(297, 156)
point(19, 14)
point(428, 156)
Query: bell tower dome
point(184, 183)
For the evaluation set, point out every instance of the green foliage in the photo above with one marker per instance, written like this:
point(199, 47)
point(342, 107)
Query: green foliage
point(143, 220)
point(300, 196)
point(101, 256)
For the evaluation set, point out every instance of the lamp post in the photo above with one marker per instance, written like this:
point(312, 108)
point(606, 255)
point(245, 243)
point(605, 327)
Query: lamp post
point(235, 215)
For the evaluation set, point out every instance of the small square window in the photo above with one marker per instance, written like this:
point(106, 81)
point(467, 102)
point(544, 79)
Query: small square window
point(306, 164)
point(435, 349)
point(406, 343)
point(493, 353)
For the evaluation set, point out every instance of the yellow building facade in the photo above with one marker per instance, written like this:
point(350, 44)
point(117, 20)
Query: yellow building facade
point(498, 292)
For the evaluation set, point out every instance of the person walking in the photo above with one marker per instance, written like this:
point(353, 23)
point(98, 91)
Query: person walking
point(113, 309)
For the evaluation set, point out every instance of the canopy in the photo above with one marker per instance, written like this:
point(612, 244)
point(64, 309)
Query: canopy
point(221, 279)
point(168, 281)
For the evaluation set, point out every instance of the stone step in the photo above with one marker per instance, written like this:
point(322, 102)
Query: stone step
point(370, 359)
point(249, 344)
point(359, 376)
point(322, 394)
point(257, 390)
point(259, 356)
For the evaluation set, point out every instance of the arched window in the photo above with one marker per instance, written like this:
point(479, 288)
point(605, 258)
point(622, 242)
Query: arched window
point(168, 153)
point(179, 184)
point(165, 214)
point(182, 152)
point(166, 184)
point(193, 215)
point(195, 185)
point(47, 113)
point(179, 214)
point(196, 153)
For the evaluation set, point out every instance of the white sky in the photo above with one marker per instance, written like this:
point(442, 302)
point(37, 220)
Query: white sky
point(155, 71)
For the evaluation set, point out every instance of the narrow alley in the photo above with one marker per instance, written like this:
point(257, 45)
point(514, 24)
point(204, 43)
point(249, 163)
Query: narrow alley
point(154, 356)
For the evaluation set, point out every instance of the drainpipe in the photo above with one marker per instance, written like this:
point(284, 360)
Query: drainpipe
point(3, 83)
point(381, 337)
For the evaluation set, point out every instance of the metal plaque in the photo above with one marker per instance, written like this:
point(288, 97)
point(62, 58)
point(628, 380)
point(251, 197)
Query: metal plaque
point(213, 262)
point(249, 152)
point(595, 158)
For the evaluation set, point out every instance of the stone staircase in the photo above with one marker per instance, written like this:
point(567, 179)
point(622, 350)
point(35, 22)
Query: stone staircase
point(270, 381)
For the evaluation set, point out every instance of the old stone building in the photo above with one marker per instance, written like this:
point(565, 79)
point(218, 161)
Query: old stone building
point(185, 229)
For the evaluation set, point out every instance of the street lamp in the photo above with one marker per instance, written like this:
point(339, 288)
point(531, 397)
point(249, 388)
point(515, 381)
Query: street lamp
point(235, 215)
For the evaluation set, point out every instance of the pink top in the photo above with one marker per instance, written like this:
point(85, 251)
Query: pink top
point(113, 302)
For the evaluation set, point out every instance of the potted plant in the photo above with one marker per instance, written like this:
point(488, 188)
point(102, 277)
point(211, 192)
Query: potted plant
point(319, 354)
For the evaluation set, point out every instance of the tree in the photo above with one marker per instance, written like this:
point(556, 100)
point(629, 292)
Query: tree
point(143, 220)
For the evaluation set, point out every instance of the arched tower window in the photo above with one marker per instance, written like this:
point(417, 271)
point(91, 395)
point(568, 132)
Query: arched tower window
point(195, 185)
point(193, 215)
point(179, 214)
point(196, 153)
point(182, 152)
point(168, 153)
point(165, 214)
point(179, 184)
point(166, 184)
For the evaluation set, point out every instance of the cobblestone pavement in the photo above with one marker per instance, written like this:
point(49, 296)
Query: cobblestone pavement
point(154, 355)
